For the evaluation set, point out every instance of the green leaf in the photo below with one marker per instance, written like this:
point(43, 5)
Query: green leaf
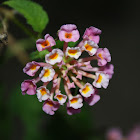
point(32, 11)
point(39, 55)
point(72, 44)
point(60, 44)
point(34, 55)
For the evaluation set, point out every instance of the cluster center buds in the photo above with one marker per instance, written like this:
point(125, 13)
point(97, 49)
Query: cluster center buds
point(66, 68)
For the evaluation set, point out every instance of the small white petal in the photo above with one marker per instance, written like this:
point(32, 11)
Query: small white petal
point(76, 102)
point(102, 80)
point(73, 52)
point(90, 46)
point(87, 90)
point(43, 93)
point(54, 57)
point(47, 74)
point(61, 98)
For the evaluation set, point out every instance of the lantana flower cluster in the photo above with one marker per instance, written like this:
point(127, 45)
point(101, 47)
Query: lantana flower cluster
point(65, 67)
point(117, 134)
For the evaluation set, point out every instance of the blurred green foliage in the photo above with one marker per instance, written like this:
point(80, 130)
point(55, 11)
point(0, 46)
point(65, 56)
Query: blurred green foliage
point(27, 109)
point(19, 46)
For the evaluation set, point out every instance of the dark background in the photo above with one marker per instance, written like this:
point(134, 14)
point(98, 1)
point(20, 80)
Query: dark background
point(119, 21)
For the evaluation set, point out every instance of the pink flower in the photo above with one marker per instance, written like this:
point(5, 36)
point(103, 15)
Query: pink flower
point(92, 33)
point(108, 69)
point(47, 73)
point(103, 56)
point(89, 46)
point(76, 101)
point(93, 99)
point(55, 56)
point(71, 111)
point(79, 76)
point(87, 90)
point(114, 134)
point(134, 134)
point(49, 106)
point(29, 87)
point(101, 80)
point(68, 33)
point(46, 43)
point(71, 85)
point(61, 98)
point(31, 68)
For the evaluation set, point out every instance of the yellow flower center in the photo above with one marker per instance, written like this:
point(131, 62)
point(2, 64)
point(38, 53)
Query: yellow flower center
point(33, 67)
point(43, 91)
point(46, 73)
point(72, 52)
point(68, 35)
point(88, 47)
point(74, 100)
point(54, 56)
point(86, 89)
point(99, 79)
point(100, 55)
point(60, 97)
point(50, 103)
point(45, 43)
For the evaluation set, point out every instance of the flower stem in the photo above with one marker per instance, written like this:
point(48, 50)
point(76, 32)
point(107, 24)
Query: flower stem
point(87, 59)
point(65, 46)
